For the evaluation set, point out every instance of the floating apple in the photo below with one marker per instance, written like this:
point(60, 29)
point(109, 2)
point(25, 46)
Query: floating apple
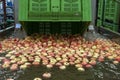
point(10, 79)
point(37, 79)
point(62, 67)
point(24, 66)
point(49, 66)
point(14, 67)
point(46, 75)
point(60, 51)
point(116, 62)
point(5, 65)
point(81, 69)
point(35, 63)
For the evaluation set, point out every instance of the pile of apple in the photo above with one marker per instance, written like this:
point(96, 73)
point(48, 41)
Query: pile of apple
point(60, 51)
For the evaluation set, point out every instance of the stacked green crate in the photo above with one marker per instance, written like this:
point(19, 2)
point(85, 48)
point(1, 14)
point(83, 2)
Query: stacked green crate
point(108, 14)
point(55, 10)
point(55, 27)
point(112, 11)
point(55, 16)
point(100, 9)
point(111, 26)
point(100, 12)
point(99, 22)
point(111, 15)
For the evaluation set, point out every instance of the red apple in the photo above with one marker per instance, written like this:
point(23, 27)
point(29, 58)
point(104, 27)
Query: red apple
point(88, 66)
point(35, 63)
point(46, 75)
point(14, 67)
point(101, 59)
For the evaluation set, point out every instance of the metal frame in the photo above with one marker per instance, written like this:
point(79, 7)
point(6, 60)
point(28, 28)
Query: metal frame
point(5, 28)
point(4, 10)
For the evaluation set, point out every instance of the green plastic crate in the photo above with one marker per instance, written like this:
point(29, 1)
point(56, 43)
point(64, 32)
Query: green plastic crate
point(55, 27)
point(55, 10)
point(112, 11)
point(100, 9)
point(99, 22)
point(111, 26)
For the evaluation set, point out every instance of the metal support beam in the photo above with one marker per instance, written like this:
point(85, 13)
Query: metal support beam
point(4, 8)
